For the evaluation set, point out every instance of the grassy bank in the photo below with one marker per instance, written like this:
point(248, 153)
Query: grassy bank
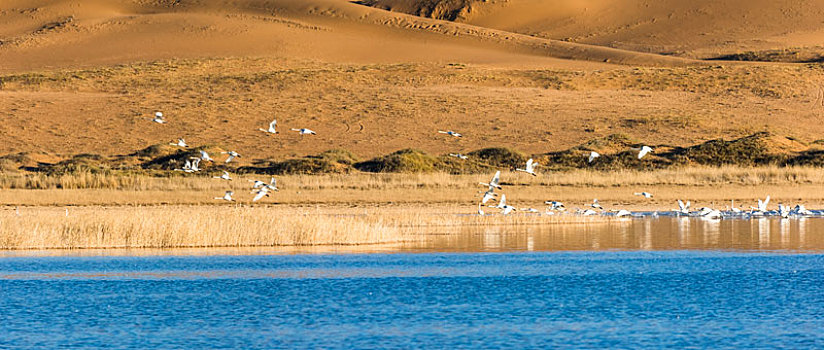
point(182, 227)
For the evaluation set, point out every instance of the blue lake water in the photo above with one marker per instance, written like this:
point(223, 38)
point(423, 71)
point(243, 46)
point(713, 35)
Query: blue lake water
point(613, 299)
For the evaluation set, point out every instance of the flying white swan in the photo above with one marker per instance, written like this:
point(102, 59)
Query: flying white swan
point(205, 156)
point(458, 155)
point(643, 151)
point(450, 133)
point(257, 183)
point(272, 126)
point(273, 185)
point(180, 143)
point(227, 196)
point(232, 155)
point(158, 118)
point(530, 167)
point(262, 192)
point(225, 176)
point(596, 205)
point(501, 204)
point(762, 206)
point(646, 195)
point(592, 156)
point(488, 195)
point(304, 131)
point(507, 209)
point(495, 182)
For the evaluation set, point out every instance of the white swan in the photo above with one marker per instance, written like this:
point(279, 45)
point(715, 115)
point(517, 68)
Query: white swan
point(684, 208)
point(592, 156)
point(205, 156)
point(646, 195)
point(623, 213)
point(257, 183)
point(180, 143)
point(262, 192)
point(304, 131)
point(450, 133)
point(488, 195)
point(232, 155)
point(272, 126)
point(480, 211)
point(643, 151)
point(158, 118)
point(273, 185)
point(495, 182)
point(225, 176)
point(553, 205)
point(596, 205)
point(458, 155)
point(530, 167)
point(227, 196)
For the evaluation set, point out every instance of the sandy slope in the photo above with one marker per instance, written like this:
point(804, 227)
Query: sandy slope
point(366, 79)
point(694, 28)
point(59, 33)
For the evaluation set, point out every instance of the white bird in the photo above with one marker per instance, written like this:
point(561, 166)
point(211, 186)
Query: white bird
point(596, 205)
point(304, 131)
point(232, 155)
point(227, 196)
point(458, 155)
point(262, 192)
point(592, 156)
point(643, 151)
point(273, 184)
point(180, 143)
point(480, 211)
point(762, 205)
point(783, 211)
point(205, 156)
point(801, 210)
point(488, 195)
point(495, 182)
point(450, 133)
point(257, 183)
point(683, 208)
point(553, 205)
point(501, 204)
point(589, 212)
point(158, 118)
point(272, 126)
point(507, 209)
point(194, 166)
point(646, 195)
point(623, 212)
point(711, 214)
point(530, 167)
point(225, 176)
point(733, 208)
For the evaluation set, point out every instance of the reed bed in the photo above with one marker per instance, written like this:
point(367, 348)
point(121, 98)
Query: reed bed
point(191, 226)
point(687, 176)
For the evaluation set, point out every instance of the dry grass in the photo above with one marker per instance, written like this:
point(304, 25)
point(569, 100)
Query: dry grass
point(180, 227)
point(687, 176)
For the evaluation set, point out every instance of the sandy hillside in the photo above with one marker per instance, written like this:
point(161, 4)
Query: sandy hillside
point(696, 28)
point(85, 76)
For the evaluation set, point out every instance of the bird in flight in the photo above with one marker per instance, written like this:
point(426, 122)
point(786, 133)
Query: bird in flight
point(225, 176)
point(458, 155)
point(304, 131)
point(227, 196)
point(272, 126)
point(232, 155)
point(592, 156)
point(646, 195)
point(643, 151)
point(450, 133)
point(495, 182)
point(530, 167)
point(180, 143)
point(158, 118)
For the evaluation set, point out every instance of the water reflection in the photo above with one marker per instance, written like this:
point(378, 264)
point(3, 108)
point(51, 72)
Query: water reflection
point(664, 233)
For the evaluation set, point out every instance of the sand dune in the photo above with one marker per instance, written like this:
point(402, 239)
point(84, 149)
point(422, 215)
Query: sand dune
point(83, 76)
point(696, 28)
point(38, 34)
